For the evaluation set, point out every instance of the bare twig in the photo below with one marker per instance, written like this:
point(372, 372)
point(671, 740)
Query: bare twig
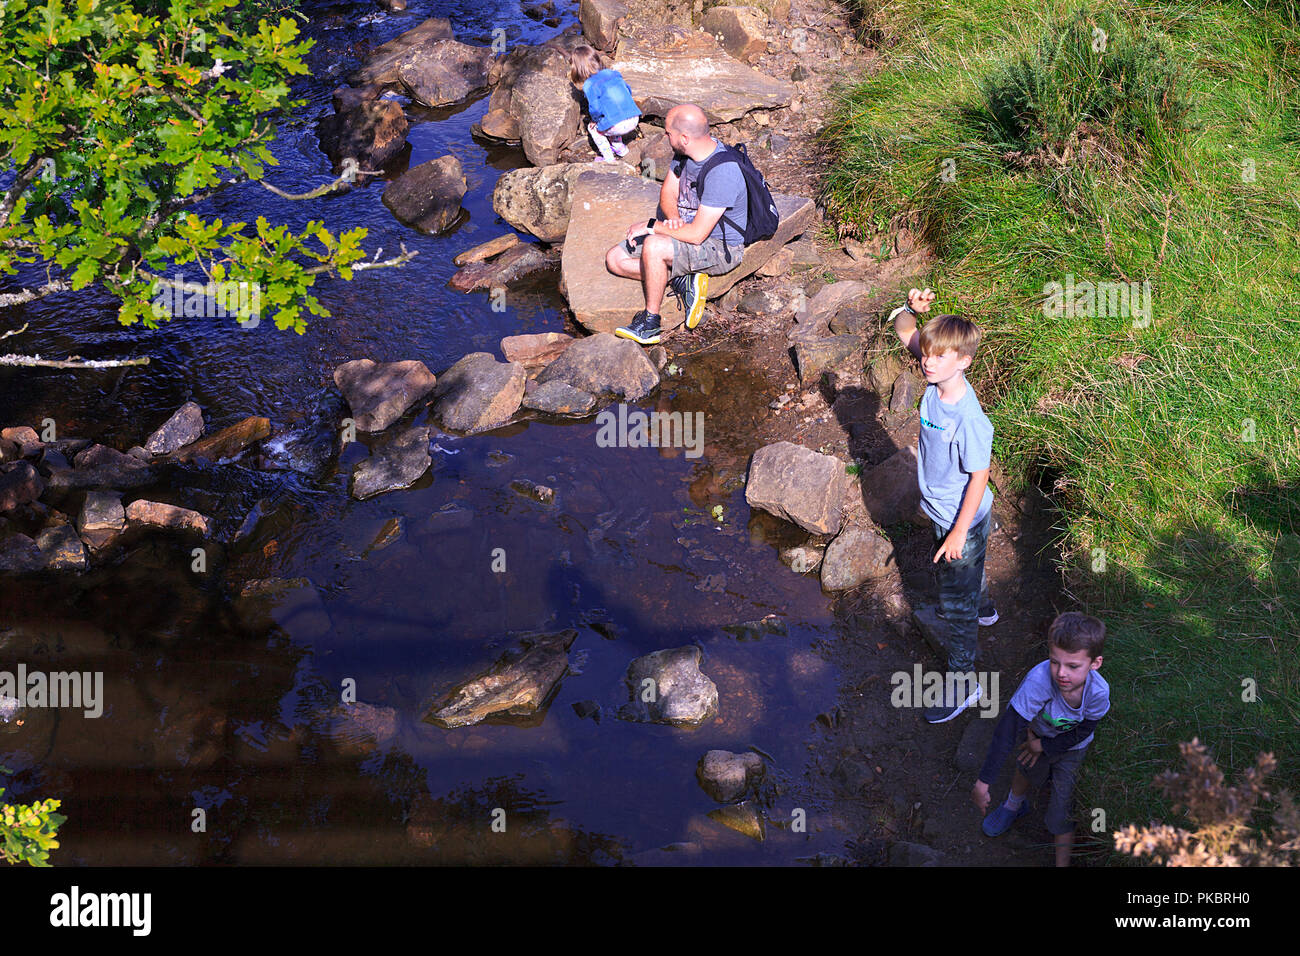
point(346, 178)
point(72, 361)
point(28, 295)
point(15, 331)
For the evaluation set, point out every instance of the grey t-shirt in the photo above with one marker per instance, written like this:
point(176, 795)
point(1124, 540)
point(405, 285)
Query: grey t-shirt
point(955, 440)
point(724, 188)
point(1039, 701)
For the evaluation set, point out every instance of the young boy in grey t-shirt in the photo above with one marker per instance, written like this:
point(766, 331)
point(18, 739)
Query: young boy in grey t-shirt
point(1052, 717)
point(952, 465)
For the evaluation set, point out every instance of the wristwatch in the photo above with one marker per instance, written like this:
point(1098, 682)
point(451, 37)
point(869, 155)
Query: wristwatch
point(910, 309)
point(650, 224)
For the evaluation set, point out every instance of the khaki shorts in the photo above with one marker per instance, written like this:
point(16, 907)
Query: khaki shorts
point(709, 256)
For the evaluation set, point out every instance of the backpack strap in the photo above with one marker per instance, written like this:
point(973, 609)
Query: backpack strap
point(724, 154)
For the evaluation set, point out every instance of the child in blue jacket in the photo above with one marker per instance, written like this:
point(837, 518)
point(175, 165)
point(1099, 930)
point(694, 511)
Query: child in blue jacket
point(613, 112)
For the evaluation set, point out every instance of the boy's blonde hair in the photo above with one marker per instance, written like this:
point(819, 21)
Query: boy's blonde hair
point(584, 62)
point(944, 332)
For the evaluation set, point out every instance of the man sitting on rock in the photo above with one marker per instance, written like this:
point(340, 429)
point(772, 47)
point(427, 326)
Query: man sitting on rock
point(691, 247)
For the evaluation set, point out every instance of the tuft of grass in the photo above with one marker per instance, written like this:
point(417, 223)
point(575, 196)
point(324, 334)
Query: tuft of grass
point(1166, 164)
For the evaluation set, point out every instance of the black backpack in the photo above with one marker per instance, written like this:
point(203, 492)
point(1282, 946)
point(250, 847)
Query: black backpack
point(761, 215)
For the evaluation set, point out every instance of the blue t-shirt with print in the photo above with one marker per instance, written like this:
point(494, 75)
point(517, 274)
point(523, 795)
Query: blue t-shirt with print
point(1038, 699)
point(724, 188)
point(955, 441)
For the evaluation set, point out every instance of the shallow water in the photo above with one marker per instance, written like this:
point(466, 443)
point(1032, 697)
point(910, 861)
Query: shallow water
point(200, 716)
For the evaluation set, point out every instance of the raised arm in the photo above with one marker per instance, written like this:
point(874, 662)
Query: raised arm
point(904, 319)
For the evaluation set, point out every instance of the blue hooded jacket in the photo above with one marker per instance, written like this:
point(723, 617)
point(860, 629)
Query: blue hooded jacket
point(608, 99)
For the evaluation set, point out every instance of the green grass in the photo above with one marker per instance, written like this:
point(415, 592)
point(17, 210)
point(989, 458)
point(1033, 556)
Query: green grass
point(1172, 449)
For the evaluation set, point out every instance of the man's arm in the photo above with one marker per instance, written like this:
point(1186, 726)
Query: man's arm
point(668, 193)
point(695, 231)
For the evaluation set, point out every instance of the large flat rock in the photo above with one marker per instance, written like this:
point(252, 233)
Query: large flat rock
point(668, 65)
point(602, 208)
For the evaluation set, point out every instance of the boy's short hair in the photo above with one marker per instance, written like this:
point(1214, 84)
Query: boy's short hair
point(944, 332)
point(584, 62)
point(1076, 631)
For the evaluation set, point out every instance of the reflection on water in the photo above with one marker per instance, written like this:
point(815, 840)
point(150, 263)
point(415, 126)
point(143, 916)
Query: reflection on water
point(220, 744)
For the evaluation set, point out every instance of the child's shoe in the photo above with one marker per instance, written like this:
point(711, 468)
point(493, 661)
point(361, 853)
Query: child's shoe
point(998, 822)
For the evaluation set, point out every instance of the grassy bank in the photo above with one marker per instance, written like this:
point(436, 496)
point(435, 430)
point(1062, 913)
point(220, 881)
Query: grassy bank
point(1169, 439)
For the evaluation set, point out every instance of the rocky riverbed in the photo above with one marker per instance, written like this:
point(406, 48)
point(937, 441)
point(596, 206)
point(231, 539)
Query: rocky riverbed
point(622, 594)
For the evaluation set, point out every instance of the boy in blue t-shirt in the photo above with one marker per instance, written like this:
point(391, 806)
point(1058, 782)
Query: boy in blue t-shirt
point(952, 468)
point(1054, 711)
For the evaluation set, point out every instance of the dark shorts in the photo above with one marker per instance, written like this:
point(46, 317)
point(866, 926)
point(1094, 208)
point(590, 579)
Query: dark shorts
point(709, 256)
point(1063, 771)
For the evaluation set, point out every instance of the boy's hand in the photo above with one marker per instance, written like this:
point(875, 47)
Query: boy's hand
point(952, 546)
point(980, 794)
point(919, 301)
point(1030, 751)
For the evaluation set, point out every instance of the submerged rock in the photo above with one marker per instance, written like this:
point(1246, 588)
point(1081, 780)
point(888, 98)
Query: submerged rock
point(62, 549)
point(798, 484)
point(560, 398)
point(292, 605)
point(379, 393)
point(520, 683)
point(372, 132)
point(746, 818)
point(395, 462)
point(667, 687)
point(513, 264)
point(728, 777)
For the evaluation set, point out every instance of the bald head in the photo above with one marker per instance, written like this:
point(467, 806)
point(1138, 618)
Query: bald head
point(687, 119)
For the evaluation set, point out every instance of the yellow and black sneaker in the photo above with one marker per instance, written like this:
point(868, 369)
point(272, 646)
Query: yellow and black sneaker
point(643, 329)
point(691, 292)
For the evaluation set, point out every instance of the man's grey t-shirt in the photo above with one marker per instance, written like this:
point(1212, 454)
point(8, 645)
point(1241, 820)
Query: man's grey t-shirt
point(724, 188)
point(1039, 701)
point(955, 440)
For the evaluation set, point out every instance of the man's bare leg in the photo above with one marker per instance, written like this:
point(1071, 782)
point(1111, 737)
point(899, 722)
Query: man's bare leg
point(651, 267)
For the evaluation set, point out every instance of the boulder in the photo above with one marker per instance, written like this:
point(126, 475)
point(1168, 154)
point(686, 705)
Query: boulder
point(20, 553)
point(907, 391)
point(520, 683)
point(890, 490)
point(558, 398)
point(540, 348)
point(290, 605)
point(742, 31)
point(102, 518)
point(667, 65)
point(381, 68)
point(486, 250)
point(513, 264)
point(498, 124)
point(818, 311)
point(798, 484)
point(604, 364)
point(157, 514)
point(601, 20)
point(20, 484)
point(775, 9)
point(371, 132)
point(185, 426)
point(428, 196)
point(548, 113)
point(227, 443)
point(539, 200)
point(359, 728)
point(396, 461)
point(816, 356)
point(442, 72)
point(101, 456)
point(29, 443)
point(728, 777)
point(667, 687)
point(802, 558)
point(602, 208)
point(855, 556)
point(379, 393)
point(478, 393)
point(61, 549)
